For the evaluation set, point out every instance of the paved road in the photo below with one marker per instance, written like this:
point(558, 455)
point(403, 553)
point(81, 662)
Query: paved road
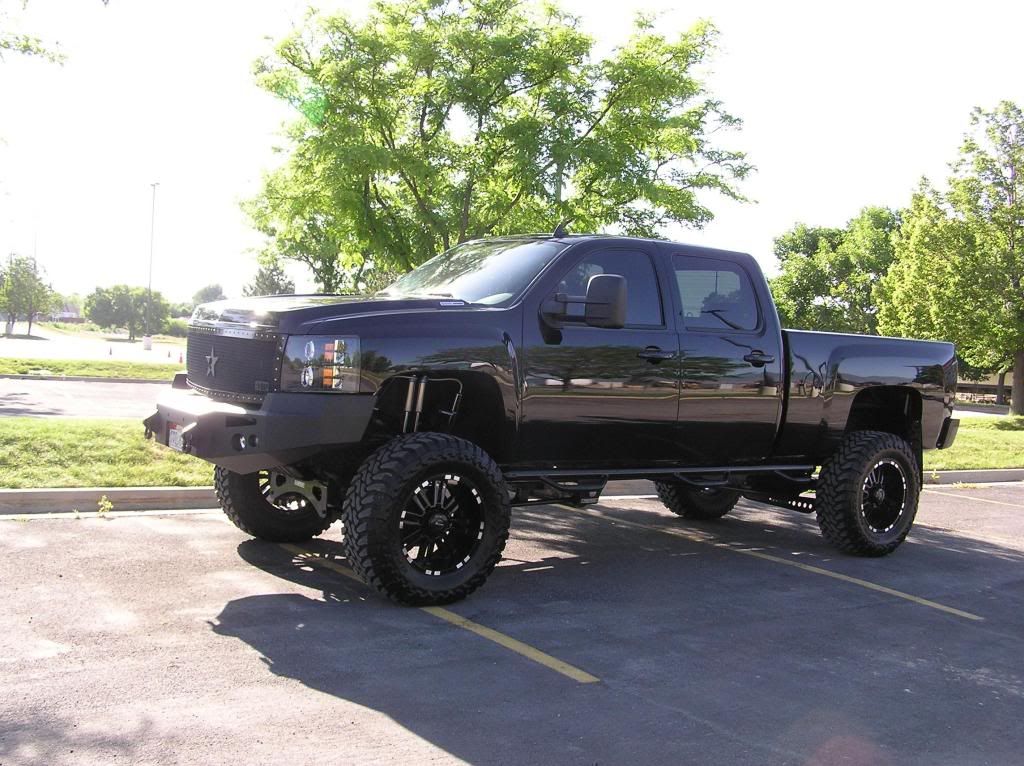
point(148, 638)
point(77, 399)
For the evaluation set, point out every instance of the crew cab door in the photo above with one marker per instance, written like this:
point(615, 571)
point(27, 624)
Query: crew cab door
point(730, 400)
point(601, 396)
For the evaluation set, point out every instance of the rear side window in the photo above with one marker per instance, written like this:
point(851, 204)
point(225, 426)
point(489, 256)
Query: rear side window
point(643, 299)
point(715, 294)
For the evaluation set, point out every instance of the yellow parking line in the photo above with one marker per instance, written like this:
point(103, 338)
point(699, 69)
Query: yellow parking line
point(971, 497)
point(512, 644)
point(863, 584)
point(709, 539)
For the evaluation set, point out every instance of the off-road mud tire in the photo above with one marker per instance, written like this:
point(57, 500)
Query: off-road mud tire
point(841, 501)
point(374, 506)
point(696, 502)
point(243, 503)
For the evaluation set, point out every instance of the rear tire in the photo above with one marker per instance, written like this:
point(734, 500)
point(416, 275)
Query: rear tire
point(867, 493)
point(696, 502)
point(243, 502)
point(426, 519)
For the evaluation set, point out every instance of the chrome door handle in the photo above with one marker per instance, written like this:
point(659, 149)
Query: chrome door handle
point(759, 358)
point(655, 354)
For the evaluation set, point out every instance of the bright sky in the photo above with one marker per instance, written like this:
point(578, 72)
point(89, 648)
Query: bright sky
point(843, 106)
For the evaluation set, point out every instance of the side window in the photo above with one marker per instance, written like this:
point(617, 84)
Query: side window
point(715, 294)
point(643, 299)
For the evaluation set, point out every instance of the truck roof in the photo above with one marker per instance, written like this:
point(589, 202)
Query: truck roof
point(570, 238)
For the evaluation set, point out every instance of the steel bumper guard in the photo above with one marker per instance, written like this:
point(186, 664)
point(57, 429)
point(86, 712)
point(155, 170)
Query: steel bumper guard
point(284, 428)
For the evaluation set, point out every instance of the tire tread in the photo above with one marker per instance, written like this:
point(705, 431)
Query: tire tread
point(376, 488)
point(248, 510)
point(680, 500)
point(837, 498)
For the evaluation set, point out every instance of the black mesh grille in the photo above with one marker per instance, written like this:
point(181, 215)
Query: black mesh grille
point(243, 368)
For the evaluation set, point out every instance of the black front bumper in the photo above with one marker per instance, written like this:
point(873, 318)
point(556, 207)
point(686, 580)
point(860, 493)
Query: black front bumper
point(283, 429)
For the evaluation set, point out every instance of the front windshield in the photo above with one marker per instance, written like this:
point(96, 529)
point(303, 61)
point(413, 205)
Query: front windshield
point(491, 272)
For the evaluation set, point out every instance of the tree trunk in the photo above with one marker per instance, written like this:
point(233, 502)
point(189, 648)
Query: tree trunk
point(30, 324)
point(1001, 388)
point(1017, 393)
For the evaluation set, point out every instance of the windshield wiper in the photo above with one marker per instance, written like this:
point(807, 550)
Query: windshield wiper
point(423, 295)
point(717, 314)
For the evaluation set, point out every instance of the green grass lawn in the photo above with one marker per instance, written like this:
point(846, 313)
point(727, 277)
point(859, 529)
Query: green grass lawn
point(982, 443)
point(68, 452)
point(89, 368)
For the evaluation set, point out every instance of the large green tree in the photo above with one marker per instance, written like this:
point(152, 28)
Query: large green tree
point(828, 275)
point(433, 122)
point(125, 306)
point(270, 279)
point(960, 258)
point(24, 291)
point(208, 294)
point(22, 43)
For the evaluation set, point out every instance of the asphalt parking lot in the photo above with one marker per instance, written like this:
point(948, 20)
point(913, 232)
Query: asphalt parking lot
point(613, 635)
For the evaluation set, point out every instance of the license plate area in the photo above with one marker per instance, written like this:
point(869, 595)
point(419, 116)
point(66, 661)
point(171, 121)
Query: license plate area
point(176, 437)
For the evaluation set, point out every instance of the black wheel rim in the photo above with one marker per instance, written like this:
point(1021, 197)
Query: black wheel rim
point(441, 524)
point(292, 502)
point(884, 496)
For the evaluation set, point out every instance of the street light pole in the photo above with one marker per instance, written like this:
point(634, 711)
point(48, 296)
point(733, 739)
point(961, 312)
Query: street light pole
point(147, 342)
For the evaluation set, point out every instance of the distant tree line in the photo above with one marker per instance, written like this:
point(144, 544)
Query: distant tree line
point(131, 308)
point(24, 292)
point(948, 266)
point(135, 310)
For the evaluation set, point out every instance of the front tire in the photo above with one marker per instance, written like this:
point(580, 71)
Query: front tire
point(426, 519)
point(290, 520)
point(867, 493)
point(696, 502)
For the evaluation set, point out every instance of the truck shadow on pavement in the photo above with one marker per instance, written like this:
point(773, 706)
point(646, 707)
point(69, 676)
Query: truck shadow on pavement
point(698, 649)
point(43, 739)
point(18, 404)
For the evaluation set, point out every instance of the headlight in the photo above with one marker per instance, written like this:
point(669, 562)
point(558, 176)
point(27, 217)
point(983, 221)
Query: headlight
point(321, 363)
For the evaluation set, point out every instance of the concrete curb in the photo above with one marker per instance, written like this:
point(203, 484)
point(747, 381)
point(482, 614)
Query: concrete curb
point(86, 379)
point(25, 501)
point(122, 498)
point(979, 476)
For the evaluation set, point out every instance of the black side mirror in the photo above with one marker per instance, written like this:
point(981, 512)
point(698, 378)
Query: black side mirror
point(604, 304)
point(606, 301)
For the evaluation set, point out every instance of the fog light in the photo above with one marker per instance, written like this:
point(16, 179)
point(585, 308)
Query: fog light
point(239, 442)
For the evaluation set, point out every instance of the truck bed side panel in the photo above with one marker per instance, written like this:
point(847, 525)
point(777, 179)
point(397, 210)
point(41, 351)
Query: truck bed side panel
point(826, 371)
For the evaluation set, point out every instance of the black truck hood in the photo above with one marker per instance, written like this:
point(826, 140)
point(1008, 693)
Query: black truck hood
point(295, 314)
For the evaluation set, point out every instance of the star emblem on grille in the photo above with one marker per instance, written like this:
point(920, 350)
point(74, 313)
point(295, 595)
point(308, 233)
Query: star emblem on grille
point(211, 363)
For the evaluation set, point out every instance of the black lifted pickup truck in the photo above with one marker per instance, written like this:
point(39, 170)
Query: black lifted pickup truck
point(533, 369)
